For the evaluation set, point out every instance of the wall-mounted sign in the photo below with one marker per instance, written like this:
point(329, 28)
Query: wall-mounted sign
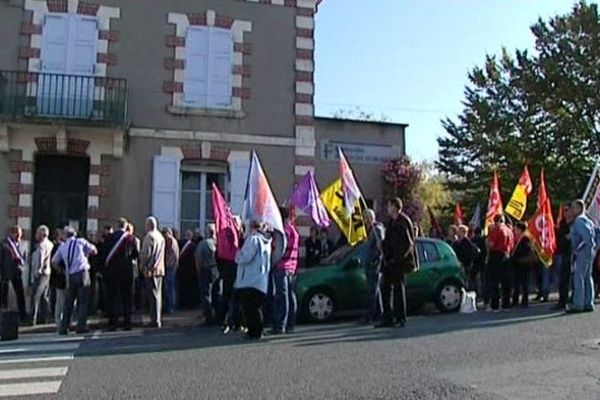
point(359, 153)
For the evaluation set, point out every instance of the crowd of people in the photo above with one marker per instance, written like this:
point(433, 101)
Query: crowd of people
point(500, 267)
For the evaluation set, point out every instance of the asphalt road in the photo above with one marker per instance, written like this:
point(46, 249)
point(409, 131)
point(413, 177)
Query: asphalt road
point(520, 354)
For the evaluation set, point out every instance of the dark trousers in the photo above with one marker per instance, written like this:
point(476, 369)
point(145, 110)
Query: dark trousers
point(120, 293)
point(499, 277)
point(77, 289)
point(210, 293)
point(564, 282)
point(522, 278)
point(40, 299)
point(17, 285)
point(252, 302)
point(393, 296)
point(227, 274)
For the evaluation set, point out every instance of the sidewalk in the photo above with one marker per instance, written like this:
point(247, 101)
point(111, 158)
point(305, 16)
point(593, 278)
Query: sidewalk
point(179, 319)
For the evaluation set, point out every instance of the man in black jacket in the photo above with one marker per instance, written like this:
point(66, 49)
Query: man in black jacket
point(118, 274)
point(399, 257)
point(522, 259)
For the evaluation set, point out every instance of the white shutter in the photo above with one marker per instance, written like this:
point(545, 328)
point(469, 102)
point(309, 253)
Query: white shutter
point(219, 72)
point(195, 86)
point(166, 191)
point(55, 39)
point(82, 45)
point(238, 178)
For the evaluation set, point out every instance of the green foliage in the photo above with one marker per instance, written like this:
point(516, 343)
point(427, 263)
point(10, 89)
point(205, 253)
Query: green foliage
point(539, 109)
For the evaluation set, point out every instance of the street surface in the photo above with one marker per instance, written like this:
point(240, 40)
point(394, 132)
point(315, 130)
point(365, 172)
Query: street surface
point(521, 354)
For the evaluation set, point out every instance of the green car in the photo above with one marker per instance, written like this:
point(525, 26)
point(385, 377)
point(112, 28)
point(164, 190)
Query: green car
point(337, 285)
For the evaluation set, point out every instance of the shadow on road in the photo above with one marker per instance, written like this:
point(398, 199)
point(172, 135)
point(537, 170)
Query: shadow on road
point(187, 338)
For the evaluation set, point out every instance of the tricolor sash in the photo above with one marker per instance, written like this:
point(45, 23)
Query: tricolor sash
point(14, 251)
point(116, 247)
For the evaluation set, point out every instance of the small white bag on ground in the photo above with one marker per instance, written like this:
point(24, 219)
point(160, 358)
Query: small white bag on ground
point(468, 303)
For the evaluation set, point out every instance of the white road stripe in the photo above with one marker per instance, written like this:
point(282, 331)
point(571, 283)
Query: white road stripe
point(28, 359)
point(24, 373)
point(39, 347)
point(29, 388)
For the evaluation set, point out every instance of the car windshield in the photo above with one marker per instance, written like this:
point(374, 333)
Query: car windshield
point(337, 255)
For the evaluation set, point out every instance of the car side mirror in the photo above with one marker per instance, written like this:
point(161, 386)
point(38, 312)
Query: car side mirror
point(353, 263)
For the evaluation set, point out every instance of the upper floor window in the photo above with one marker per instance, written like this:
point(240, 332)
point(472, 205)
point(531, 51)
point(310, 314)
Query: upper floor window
point(209, 60)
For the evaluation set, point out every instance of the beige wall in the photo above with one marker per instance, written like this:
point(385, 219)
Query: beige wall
point(130, 184)
point(141, 52)
point(368, 175)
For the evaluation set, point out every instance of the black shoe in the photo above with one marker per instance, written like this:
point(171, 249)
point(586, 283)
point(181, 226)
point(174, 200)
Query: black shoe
point(588, 309)
point(571, 310)
point(401, 324)
point(82, 331)
point(384, 325)
point(63, 332)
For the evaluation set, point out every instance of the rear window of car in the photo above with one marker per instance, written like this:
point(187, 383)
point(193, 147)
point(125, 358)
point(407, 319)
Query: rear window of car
point(337, 255)
point(428, 252)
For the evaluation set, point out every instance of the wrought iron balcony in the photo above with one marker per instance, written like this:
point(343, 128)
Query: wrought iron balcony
point(38, 97)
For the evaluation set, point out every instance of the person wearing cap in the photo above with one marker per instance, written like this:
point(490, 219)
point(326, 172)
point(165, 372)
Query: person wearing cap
point(152, 263)
point(74, 253)
point(11, 270)
point(41, 268)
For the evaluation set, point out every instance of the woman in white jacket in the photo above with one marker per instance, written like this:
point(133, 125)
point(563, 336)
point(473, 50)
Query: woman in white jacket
point(254, 263)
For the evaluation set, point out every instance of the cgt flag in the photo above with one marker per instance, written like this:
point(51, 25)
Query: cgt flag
point(494, 204)
point(227, 233)
point(351, 226)
point(541, 227)
point(518, 202)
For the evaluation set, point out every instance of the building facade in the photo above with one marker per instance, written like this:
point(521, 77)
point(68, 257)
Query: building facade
point(119, 108)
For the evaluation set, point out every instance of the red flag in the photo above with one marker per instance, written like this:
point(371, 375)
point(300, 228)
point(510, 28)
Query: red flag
point(561, 215)
point(459, 217)
point(541, 226)
point(542, 195)
point(227, 233)
point(494, 203)
point(435, 225)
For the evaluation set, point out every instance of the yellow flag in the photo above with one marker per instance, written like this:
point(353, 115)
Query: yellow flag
point(352, 227)
point(518, 202)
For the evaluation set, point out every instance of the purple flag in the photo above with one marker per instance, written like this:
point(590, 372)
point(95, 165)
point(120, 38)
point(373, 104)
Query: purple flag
point(306, 198)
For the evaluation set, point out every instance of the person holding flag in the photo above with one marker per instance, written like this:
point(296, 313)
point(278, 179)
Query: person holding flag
point(11, 269)
point(583, 244)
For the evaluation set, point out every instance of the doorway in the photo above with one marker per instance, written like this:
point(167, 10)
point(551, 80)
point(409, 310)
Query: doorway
point(60, 192)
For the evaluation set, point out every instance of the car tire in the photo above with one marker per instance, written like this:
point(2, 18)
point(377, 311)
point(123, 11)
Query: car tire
point(319, 305)
point(448, 296)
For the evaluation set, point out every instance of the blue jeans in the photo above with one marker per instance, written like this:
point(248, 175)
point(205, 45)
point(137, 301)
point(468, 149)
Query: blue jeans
point(285, 303)
point(78, 288)
point(373, 294)
point(209, 293)
point(170, 290)
point(583, 286)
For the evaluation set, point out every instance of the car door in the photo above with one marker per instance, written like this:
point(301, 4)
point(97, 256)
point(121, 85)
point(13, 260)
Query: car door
point(351, 283)
point(421, 283)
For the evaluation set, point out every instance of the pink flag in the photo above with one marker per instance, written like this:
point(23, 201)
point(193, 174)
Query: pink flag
point(227, 233)
point(349, 186)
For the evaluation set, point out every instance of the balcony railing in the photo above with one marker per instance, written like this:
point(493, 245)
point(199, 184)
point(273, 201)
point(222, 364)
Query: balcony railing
point(70, 98)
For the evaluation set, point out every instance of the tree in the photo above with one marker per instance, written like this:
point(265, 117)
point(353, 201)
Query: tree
point(401, 178)
point(358, 114)
point(540, 109)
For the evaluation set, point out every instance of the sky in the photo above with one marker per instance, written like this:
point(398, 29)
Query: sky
point(409, 59)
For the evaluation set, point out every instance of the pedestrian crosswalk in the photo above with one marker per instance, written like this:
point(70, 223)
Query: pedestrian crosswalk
point(35, 364)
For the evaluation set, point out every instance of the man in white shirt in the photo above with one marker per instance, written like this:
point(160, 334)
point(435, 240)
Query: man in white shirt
point(40, 267)
point(152, 263)
point(74, 252)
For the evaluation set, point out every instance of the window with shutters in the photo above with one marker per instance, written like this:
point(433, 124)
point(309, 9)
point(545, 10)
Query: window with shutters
point(196, 196)
point(209, 59)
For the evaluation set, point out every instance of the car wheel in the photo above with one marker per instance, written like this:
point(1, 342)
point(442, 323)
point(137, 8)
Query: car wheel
point(448, 297)
point(319, 306)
